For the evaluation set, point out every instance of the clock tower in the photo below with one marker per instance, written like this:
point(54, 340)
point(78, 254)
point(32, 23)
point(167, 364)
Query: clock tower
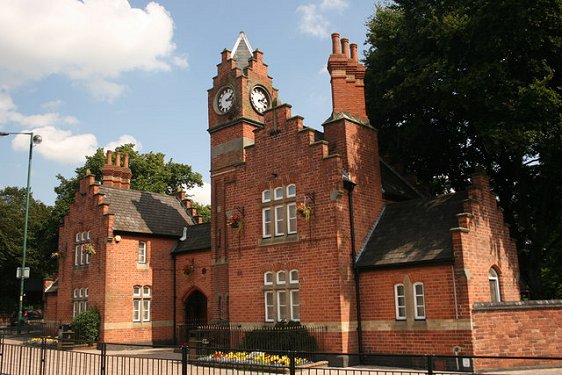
point(242, 91)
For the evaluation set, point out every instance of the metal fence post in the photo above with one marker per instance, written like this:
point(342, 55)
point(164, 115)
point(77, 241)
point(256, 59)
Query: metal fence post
point(103, 358)
point(292, 366)
point(42, 361)
point(1, 353)
point(184, 349)
point(429, 364)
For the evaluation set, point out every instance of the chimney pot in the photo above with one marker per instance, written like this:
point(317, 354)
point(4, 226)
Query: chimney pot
point(108, 160)
point(354, 52)
point(345, 47)
point(117, 159)
point(336, 43)
point(126, 160)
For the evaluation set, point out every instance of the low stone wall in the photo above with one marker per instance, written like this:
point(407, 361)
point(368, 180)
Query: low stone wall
point(522, 329)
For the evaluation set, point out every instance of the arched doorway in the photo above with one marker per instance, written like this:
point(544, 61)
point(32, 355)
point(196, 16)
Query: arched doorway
point(195, 310)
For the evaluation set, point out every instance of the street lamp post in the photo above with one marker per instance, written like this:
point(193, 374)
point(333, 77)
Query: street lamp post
point(33, 139)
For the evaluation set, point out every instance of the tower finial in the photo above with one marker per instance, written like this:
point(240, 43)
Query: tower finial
point(242, 51)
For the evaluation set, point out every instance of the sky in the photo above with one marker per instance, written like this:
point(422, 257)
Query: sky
point(100, 73)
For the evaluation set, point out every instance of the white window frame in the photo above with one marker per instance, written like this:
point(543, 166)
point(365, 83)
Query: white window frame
point(266, 196)
point(294, 307)
point(141, 256)
point(266, 222)
point(494, 281)
point(291, 218)
point(142, 303)
point(279, 217)
point(278, 193)
point(417, 305)
point(269, 308)
point(400, 308)
point(293, 280)
point(282, 296)
point(291, 191)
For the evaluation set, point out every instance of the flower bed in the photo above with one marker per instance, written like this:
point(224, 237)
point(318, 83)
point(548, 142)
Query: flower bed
point(255, 361)
point(49, 341)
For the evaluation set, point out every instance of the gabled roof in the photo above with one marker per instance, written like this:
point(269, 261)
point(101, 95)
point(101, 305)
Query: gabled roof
point(394, 186)
point(242, 51)
point(415, 231)
point(198, 237)
point(148, 213)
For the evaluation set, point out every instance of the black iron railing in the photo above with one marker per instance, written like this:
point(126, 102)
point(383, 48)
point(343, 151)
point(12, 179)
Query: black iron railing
point(108, 359)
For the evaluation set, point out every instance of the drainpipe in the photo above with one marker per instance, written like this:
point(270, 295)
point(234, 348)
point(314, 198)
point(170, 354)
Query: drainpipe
point(174, 319)
point(349, 185)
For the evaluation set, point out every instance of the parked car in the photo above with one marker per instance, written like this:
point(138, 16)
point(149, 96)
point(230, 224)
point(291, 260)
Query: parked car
point(28, 316)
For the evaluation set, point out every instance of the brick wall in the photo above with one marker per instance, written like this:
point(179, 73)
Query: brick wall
point(526, 328)
point(444, 327)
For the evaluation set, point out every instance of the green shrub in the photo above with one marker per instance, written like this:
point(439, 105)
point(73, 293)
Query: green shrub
point(86, 325)
point(282, 336)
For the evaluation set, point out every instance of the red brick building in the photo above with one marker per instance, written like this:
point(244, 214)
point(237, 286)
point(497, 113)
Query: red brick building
point(306, 226)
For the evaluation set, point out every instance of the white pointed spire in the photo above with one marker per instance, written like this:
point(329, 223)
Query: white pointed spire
point(242, 51)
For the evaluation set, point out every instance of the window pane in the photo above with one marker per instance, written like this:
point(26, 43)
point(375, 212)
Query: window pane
point(292, 218)
point(83, 236)
point(294, 277)
point(279, 220)
point(268, 306)
point(142, 252)
point(281, 279)
point(291, 191)
point(266, 222)
point(419, 300)
point(268, 278)
point(137, 290)
point(278, 193)
point(146, 291)
point(146, 310)
point(266, 196)
point(86, 292)
point(400, 301)
point(76, 255)
point(74, 309)
point(75, 293)
point(136, 310)
point(82, 254)
point(295, 305)
point(282, 313)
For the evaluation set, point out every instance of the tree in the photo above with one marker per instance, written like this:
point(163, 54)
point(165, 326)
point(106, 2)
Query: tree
point(150, 172)
point(39, 246)
point(456, 84)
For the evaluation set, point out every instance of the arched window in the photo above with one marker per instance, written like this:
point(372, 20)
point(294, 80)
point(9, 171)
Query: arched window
point(494, 281)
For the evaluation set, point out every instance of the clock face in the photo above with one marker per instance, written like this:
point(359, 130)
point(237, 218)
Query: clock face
point(260, 99)
point(225, 99)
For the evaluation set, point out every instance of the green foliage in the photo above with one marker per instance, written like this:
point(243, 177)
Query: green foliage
point(40, 244)
point(283, 336)
point(452, 85)
point(87, 325)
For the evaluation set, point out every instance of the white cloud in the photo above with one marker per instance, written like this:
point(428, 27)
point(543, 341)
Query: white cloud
point(124, 139)
point(53, 104)
point(314, 16)
point(91, 41)
point(59, 145)
point(200, 194)
point(9, 114)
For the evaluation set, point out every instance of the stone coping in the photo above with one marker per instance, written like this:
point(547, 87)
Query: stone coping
point(519, 305)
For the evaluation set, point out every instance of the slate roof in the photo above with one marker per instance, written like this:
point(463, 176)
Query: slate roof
point(394, 186)
point(242, 51)
point(198, 238)
point(415, 231)
point(148, 213)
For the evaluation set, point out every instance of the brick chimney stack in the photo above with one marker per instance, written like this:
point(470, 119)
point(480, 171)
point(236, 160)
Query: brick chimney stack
point(347, 78)
point(114, 174)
